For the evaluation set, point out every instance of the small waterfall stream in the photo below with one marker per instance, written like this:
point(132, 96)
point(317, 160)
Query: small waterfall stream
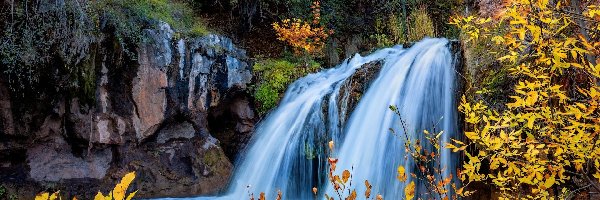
point(289, 149)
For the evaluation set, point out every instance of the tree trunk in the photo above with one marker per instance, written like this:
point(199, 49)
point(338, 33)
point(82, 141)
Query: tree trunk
point(405, 24)
point(247, 11)
point(576, 6)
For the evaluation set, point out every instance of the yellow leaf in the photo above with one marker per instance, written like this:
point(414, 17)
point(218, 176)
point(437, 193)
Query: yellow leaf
point(352, 195)
point(558, 151)
point(98, 196)
point(472, 135)
point(409, 191)
point(345, 176)
point(460, 191)
point(53, 196)
point(549, 182)
point(401, 173)
point(121, 188)
point(368, 191)
point(262, 196)
point(131, 195)
point(597, 175)
point(42, 196)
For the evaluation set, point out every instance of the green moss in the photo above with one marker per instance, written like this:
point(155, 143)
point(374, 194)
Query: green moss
point(213, 158)
point(2, 190)
point(274, 75)
point(127, 16)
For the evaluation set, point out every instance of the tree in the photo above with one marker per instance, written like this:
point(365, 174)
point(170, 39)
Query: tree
point(306, 37)
point(548, 135)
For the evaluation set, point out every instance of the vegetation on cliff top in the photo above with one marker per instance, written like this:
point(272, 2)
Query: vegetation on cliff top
point(42, 40)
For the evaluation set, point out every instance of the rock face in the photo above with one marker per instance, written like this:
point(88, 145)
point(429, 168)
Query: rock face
point(149, 115)
point(233, 121)
point(355, 86)
point(6, 118)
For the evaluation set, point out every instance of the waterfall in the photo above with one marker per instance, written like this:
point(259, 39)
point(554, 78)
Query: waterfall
point(289, 149)
point(421, 84)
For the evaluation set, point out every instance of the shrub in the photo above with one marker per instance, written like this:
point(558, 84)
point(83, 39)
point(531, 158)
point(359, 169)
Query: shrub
point(130, 16)
point(421, 25)
point(342, 183)
point(427, 160)
point(388, 31)
point(306, 38)
point(546, 139)
point(31, 38)
point(273, 77)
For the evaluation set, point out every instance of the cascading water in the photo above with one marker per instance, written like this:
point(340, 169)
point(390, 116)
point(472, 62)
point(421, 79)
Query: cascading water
point(289, 149)
point(421, 84)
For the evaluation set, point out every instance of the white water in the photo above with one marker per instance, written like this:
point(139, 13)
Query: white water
point(421, 84)
point(289, 149)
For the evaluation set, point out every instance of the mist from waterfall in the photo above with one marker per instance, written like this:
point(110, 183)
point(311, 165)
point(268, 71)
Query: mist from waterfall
point(289, 150)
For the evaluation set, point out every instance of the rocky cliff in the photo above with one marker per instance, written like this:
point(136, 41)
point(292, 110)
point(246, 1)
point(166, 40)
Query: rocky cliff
point(149, 114)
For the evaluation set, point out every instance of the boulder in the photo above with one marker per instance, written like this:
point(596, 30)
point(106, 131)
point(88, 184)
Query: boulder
point(179, 168)
point(52, 162)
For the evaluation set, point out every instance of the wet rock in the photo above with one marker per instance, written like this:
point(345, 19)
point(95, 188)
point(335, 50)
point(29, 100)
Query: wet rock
point(173, 131)
point(357, 85)
point(54, 162)
point(180, 168)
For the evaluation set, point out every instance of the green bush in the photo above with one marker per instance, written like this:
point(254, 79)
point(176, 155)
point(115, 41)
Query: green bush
point(32, 38)
point(129, 16)
point(388, 31)
point(274, 75)
point(421, 25)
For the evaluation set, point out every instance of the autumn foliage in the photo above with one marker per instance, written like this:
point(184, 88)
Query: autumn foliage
point(304, 36)
point(342, 184)
point(437, 178)
point(545, 143)
point(118, 193)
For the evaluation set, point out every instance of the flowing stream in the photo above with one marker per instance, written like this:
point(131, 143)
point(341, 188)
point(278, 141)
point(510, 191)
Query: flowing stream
point(289, 150)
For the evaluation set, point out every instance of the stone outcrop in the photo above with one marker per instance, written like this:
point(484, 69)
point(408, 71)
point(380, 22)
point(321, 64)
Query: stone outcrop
point(355, 86)
point(149, 115)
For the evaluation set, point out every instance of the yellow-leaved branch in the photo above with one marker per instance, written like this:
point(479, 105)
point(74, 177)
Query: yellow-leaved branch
point(547, 135)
